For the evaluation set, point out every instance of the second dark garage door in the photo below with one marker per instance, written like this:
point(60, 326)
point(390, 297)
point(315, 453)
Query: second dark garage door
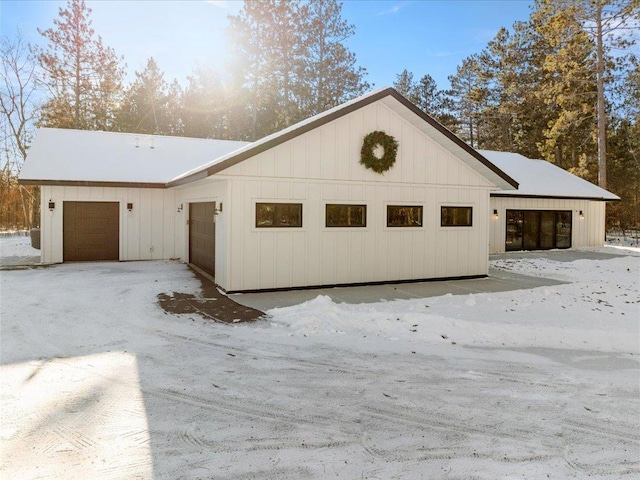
point(91, 231)
point(202, 236)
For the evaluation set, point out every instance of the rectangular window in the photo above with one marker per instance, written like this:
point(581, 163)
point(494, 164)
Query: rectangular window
point(278, 215)
point(404, 216)
point(456, 216)
point(345, 215)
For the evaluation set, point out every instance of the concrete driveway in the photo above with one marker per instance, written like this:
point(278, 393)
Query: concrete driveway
point(497, 281)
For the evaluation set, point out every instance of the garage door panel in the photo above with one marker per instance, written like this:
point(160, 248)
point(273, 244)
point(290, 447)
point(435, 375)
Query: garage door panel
point(202, 240)
point(91, 231)
point(92, 226)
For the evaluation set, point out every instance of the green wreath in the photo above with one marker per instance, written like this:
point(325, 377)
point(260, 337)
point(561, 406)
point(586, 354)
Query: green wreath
point(369, 159)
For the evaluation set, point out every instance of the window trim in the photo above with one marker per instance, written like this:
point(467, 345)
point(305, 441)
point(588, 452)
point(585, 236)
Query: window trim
point(276, 202)
point(345, 204)
point(400, 205)
point(453, 225)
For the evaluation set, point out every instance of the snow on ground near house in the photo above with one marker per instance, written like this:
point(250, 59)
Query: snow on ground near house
point(619, 241)
point(17, 245)
point(98, 382)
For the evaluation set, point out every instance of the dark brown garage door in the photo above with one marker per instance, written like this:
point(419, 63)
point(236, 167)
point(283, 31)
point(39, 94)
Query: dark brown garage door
point(91, 231)
point(202, 236)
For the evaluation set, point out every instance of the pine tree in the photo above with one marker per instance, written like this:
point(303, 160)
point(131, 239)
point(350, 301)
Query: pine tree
point(514, 118)
point(406, 86)
point(623, 147)
point(330, 76)
point(267, 62)
point(150, 104)
point(425, 95)
point(469, 94)
point(83, 77)
point(603, 20)
point(432, 100)
point(208, 107)
point(582, 36)
point(291, 62)
point(567, 87)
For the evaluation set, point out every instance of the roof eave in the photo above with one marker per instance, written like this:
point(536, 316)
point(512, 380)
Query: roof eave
point(90, 183)
point(556, 197)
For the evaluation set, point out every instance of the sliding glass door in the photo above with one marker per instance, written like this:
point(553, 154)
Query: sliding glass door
point(538, 229)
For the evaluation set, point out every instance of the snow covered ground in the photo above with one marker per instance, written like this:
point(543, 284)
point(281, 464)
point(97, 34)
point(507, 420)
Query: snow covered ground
point(17, 245)
point(98, 382)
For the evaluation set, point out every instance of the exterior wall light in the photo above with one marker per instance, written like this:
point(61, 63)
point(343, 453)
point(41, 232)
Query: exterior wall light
point(495, 213)
point(52, 206)
point(581, 215)
point(180, 208)
point(129, 206)
point(219, 209)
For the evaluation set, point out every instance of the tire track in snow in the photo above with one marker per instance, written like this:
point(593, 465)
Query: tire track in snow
point(242, 407)
point(627, 433)
point(425, 419)
point(260, 444)
point(291, 473)
point(251, 350)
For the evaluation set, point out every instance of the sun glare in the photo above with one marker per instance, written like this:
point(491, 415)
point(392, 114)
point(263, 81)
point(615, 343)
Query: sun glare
point(84, 415)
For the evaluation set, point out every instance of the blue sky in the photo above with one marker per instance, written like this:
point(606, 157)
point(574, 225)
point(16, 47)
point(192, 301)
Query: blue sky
point(423, 36)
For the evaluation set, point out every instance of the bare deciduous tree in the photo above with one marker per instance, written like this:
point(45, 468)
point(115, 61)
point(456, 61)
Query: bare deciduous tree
point(18, 89)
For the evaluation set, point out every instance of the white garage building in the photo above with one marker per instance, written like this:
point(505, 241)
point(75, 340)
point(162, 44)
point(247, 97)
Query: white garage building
point(294, 209)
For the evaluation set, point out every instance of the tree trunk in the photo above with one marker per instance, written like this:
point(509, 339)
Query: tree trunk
point(602, 120)
point(26, 222)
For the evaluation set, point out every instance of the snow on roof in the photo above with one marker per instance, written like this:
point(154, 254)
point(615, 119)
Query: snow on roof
point(61, 156)
point(539, 178)
point(91, 156)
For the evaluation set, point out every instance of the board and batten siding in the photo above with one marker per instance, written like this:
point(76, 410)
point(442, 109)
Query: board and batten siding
point(586, 232)
point(147, 232)
point(208, 190)
point(332, 152)
point(322, 166)
point(317, 255)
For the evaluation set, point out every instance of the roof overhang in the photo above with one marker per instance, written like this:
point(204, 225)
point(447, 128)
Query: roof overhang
point(86, 183)
point(553, 197)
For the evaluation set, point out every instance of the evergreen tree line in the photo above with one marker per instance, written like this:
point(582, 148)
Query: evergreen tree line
point(563, 86)
point(535, 89)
